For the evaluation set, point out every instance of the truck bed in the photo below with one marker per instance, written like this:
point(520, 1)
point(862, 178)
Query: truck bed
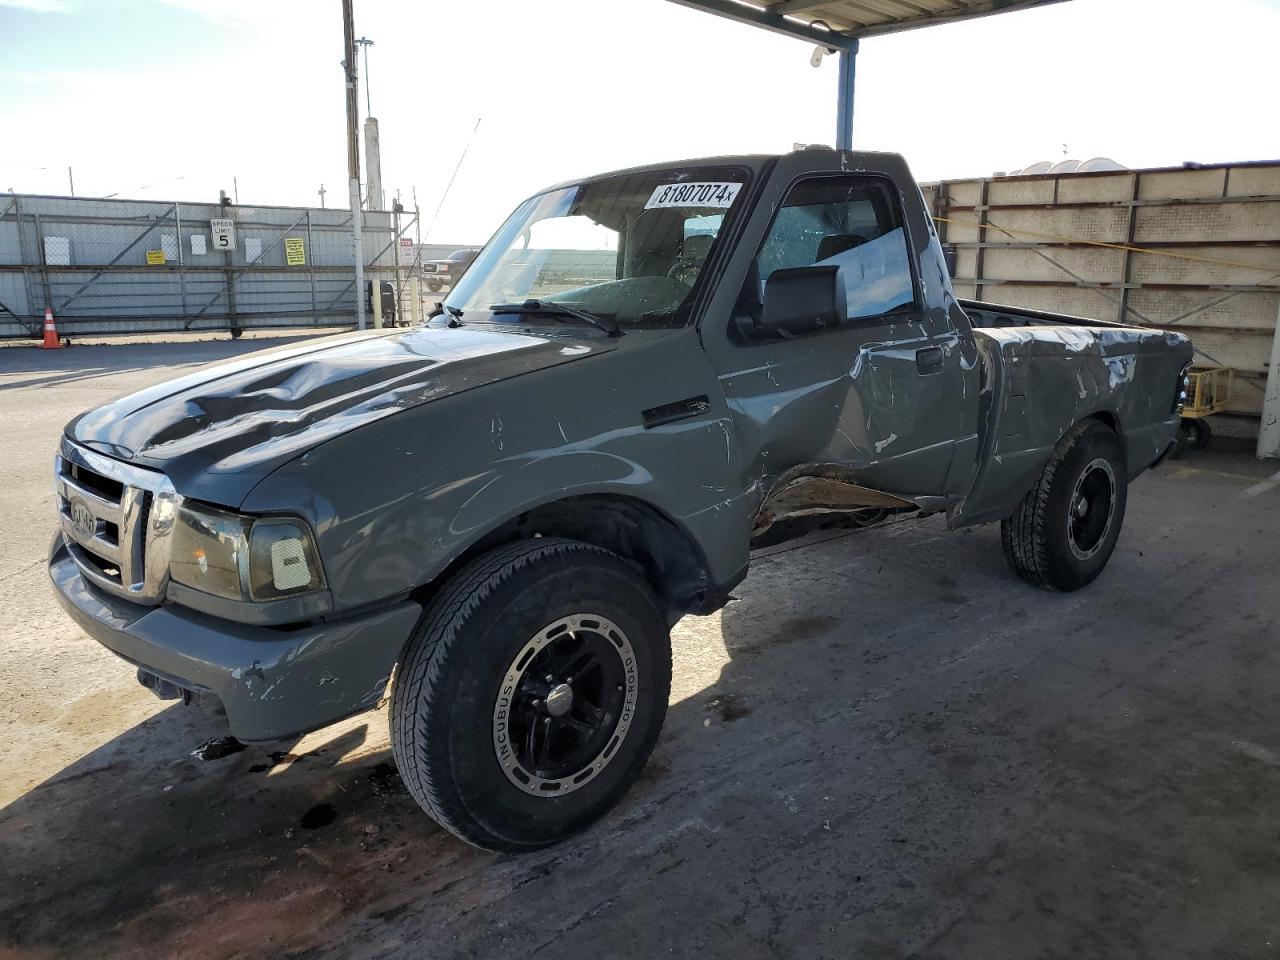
point(1043, 372)
point(996, 315)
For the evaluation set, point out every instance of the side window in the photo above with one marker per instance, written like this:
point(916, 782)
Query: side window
point(854, 223)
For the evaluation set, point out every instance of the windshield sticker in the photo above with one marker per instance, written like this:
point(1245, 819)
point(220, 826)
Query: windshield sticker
point(693, 195)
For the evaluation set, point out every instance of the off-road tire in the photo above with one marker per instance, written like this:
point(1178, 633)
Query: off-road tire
point(1194, 433)
point(442, 714)
point(1037, 536)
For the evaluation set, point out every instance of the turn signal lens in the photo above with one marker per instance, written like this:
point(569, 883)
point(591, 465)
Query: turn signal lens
point(208, 550)
point(243, 558)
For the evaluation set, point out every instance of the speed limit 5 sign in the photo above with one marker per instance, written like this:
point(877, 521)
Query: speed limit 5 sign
point(224, 234)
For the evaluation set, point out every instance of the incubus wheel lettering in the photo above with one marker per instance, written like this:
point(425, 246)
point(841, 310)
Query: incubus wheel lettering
point(565, 704)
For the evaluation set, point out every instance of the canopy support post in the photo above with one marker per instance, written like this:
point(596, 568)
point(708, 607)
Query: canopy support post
point(844, 97)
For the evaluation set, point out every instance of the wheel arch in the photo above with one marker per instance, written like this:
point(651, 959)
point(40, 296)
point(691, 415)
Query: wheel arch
point(1107, 417)
point(662, 549)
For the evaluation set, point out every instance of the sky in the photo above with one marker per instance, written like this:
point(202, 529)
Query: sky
point(176, 99)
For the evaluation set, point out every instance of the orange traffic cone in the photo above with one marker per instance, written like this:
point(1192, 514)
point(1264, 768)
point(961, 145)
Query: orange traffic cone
point(51, 341)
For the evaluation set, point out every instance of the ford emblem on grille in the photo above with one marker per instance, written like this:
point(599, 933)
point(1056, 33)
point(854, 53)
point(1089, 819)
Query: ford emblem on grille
point(83, 522)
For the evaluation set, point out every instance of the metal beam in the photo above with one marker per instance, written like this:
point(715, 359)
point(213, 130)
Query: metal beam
point(757, 17)
point(778, 19)
point(795, 6)
point(844, 97)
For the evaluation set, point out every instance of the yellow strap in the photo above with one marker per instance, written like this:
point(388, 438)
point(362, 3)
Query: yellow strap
point(1109, 246)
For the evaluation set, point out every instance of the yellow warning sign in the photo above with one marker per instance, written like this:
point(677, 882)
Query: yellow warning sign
point(295, 254)
point(155, 257)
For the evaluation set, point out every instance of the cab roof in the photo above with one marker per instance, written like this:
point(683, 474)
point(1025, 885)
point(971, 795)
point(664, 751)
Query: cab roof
point(755, 161)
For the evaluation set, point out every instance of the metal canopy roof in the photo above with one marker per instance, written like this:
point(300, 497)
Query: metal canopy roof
point(853, 19)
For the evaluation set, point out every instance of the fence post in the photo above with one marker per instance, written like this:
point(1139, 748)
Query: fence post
point(35, 328)
point(182, 263)
point(311, 269)
point(1269, 424)
point(233, 323)
point(357, 244)
point(1131, 231)
point(415, 300)
point(980, 258)
point(44, 261)
point(399, 301)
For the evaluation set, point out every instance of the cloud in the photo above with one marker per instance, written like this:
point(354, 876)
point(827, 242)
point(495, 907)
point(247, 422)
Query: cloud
point(39, 6)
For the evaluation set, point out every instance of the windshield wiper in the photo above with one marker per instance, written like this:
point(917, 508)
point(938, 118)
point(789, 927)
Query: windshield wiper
point(551, 308)
point(455, 315)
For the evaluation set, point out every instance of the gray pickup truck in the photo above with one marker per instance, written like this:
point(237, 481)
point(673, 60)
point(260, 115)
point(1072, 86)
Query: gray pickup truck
point(509, 506)
point(445, 272)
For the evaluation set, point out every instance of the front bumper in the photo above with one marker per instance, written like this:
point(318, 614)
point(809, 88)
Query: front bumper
point(273, 682)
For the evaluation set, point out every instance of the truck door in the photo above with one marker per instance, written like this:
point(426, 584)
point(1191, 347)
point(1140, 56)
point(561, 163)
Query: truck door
point(881, 394)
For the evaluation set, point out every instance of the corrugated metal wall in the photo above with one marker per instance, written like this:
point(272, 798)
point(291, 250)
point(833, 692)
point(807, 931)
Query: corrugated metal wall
point(88, 259)
point(1196, 250)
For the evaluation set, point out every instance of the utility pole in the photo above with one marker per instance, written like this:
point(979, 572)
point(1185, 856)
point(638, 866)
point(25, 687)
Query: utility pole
point(321, 191)
point(72, 181)
point(353, 151)
point(415, 287)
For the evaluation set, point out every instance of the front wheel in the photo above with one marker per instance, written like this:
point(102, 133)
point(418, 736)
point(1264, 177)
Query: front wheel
point(532, 693)
point(1063, 532)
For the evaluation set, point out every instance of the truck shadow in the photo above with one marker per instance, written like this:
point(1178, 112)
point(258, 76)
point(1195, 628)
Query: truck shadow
point(140, 849)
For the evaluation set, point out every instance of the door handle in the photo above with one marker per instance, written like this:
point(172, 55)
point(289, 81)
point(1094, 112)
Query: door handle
point(929, 360)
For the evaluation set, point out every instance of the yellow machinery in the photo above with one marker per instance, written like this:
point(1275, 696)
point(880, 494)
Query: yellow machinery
point(1208, 391)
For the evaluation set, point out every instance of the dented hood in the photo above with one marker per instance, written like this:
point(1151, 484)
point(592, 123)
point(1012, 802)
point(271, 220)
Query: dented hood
point(218, 431)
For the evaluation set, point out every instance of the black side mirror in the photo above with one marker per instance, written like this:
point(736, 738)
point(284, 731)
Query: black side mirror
point(803, 299)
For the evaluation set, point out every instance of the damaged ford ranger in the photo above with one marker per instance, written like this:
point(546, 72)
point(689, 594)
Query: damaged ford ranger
point(506, 508)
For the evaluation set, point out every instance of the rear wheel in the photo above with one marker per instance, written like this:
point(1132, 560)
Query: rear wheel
point(1194, 433)
point(1063, 532)
point(532, 694)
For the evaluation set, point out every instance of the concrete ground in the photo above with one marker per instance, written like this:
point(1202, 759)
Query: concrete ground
point(887, 747)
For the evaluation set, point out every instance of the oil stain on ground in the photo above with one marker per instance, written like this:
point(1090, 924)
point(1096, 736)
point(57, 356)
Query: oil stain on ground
point(730, 707)
point(321, 815)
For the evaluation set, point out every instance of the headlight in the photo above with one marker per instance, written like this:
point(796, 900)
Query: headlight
point(243, 558)
point(282, 559)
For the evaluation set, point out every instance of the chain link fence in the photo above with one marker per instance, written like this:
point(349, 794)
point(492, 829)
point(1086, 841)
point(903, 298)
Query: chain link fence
point(140, 266)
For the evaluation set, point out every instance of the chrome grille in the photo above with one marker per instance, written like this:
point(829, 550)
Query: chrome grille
point(116, 519)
